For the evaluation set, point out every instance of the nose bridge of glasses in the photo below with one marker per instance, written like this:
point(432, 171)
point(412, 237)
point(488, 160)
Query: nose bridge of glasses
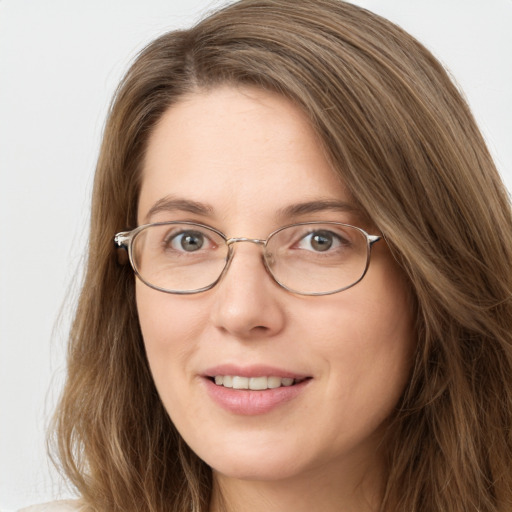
point(257, 241)
point(230, 244)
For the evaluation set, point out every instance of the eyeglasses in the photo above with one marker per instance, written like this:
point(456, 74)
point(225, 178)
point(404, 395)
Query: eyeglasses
point(308, 258)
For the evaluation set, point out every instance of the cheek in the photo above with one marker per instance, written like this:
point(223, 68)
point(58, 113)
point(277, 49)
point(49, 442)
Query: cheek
point(368, 339)
point(169, 326)
point(387, 334)
point(173, 329)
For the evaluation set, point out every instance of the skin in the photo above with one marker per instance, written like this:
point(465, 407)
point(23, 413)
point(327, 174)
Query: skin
point(248, 154)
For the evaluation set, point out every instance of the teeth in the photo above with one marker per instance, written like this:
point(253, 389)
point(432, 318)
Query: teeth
point(240, 383)
point(258, 383)
point(253, 383)
point(273, 382)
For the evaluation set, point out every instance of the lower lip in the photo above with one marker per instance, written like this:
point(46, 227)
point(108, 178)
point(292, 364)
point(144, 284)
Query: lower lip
point(250, 403)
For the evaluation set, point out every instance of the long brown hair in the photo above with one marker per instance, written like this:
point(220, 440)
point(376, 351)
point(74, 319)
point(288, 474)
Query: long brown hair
point(403, 140)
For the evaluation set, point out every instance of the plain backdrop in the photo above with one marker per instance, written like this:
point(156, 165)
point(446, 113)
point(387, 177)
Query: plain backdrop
point(60, 62)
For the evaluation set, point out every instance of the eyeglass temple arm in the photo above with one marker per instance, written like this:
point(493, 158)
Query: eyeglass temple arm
point(122, 239)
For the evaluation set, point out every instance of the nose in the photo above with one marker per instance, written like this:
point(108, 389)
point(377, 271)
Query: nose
point(248, 303)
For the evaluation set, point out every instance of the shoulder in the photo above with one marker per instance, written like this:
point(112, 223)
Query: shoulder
point(55, 506)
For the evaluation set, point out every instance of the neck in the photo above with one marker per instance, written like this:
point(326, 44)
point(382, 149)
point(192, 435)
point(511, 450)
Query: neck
point(320, 489)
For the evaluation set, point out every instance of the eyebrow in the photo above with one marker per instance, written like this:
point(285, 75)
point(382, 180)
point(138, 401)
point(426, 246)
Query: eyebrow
point(169, 204)
point(298, 209)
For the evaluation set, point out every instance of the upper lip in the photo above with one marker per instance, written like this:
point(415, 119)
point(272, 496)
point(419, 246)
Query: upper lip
point(258, 370)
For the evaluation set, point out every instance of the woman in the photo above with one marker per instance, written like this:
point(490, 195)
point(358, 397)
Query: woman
point(321, 318)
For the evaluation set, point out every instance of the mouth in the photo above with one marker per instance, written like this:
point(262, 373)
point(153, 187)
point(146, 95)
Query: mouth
point(261, 383)
point(254, 390)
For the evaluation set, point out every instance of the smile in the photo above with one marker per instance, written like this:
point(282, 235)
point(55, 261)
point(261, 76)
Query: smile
point(250, 391)
point(254, 383)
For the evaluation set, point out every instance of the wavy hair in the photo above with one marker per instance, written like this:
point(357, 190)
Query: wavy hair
point(403, 140)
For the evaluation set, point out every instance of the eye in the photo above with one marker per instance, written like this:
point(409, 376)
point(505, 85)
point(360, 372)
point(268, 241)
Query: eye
point(188, 241)
point(320, 241)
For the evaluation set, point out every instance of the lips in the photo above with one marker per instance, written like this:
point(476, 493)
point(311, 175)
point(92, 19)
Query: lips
point(253, 390)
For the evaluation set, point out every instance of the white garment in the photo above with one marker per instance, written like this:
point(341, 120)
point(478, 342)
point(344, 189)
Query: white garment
point(55, 506)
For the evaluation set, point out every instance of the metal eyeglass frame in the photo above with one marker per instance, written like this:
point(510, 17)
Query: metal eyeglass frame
point(124, 240)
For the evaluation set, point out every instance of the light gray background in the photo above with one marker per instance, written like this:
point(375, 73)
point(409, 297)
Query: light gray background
point(59, 64)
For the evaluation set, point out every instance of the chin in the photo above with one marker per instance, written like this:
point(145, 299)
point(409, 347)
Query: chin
point(249, 459)
point(255, 470)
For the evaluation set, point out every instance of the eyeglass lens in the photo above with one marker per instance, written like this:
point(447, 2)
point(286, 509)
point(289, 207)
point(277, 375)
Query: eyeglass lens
point(308, 258)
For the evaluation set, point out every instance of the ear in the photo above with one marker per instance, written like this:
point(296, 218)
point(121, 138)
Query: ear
point(122, 255)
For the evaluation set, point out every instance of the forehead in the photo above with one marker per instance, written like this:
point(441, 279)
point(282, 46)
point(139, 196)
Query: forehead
point(242, 151)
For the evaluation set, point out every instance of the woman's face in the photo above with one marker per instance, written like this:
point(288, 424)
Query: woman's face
point(242, 161)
